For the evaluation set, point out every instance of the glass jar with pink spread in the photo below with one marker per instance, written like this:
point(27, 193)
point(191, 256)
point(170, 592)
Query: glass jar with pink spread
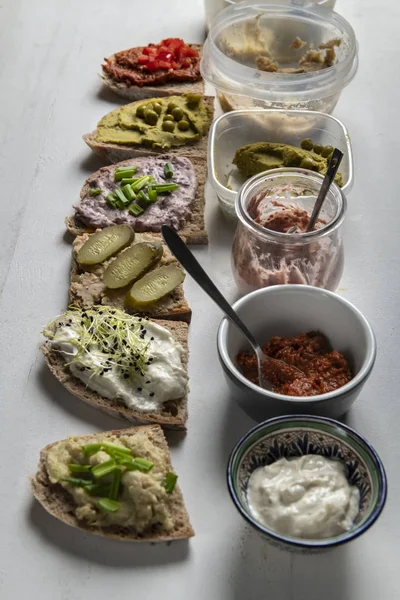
point(267, 206)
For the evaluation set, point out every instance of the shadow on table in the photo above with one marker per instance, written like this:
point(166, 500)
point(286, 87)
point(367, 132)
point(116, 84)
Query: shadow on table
point(57, 393)
point(283, 575)
point(106, 95)
point(90, 164)
point(103, 551)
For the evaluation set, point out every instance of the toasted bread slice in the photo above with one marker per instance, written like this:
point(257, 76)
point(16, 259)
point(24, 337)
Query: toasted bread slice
point(87, 287)
point(118, 152)
point(59, 503)
point(134, 92)
point(174, 412)
point(193, 231)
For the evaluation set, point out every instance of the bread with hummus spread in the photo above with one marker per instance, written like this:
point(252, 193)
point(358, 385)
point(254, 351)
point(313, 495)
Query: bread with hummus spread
point(126, 366)
point(164, 69)
point(178, 124)
point(87, 286)
point(134, 497)
point(181, 209)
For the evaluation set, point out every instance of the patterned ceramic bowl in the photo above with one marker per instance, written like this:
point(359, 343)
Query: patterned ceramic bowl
point(296, 435)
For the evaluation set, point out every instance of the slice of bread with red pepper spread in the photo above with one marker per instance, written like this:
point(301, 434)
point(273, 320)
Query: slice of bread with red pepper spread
point(60, 502)
point(152, 71)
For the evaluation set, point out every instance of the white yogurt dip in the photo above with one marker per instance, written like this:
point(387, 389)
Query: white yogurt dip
point(306, 497)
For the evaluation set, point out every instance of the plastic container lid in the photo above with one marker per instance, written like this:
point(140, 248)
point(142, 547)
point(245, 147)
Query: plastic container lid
point(250, 28)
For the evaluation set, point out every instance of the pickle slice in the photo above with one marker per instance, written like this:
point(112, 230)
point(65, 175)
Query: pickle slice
point(104, 244)
point(154, 286)
point(132, 264)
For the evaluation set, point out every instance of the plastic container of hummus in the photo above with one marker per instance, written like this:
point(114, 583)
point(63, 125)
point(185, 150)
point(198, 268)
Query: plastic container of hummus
point(241, 127)
point(265, 254)
point(261, 55)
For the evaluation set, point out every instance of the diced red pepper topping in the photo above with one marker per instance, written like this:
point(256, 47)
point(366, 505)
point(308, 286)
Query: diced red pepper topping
point(171, 53)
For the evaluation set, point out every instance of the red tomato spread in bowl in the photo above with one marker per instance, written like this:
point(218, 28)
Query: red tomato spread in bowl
point(324, 369)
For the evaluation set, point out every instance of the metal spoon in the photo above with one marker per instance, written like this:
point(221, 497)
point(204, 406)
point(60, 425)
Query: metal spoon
point(331, 171)
point(192, 266)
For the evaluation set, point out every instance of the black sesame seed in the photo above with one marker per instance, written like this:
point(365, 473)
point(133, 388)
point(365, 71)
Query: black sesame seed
point(114, 327)
point(151, 339)
point(139, 389)
point(148, 381)
point(151, 394)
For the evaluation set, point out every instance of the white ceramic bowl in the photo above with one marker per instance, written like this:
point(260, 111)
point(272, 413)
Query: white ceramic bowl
point(288, 310)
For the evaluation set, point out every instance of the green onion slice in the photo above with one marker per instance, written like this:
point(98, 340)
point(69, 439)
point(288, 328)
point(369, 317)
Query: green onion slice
point(129, 194)
point(90, 449)
point(116, 483)
point(124, 172)
point(152, 194)
point(95, 191)
point(135, 209)
point(141, 182)
point(104, 468)
point(140, 464)
point(108, 505)
point(77, 481)
point(162, 188)
point(111, 446)
point(121, 197)
point(74, 468)
point(97, 489)
point(111, 200)
point(170, 482)
point(129, 180)
point(168, 170)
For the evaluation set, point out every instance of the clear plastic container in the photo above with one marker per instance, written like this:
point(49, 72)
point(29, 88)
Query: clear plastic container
point(263, 254)
point(213, 7)
point(241, 33)
point(242, 127)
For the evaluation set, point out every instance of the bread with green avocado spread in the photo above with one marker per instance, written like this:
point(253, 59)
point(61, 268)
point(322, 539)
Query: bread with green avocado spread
point(128, 367)
point(123, 134)
point(121, 485)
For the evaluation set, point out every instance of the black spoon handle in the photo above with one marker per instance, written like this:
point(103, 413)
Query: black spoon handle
point(333, 166)
point(193, 267)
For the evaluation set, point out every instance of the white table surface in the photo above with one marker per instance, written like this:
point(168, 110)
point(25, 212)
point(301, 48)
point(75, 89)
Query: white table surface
point(50, 52)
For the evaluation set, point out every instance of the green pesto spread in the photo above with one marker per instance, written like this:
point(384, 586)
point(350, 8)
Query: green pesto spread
point(159, 123)
point(263, 156)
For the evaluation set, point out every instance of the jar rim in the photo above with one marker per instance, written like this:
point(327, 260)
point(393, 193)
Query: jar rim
point(249, 189)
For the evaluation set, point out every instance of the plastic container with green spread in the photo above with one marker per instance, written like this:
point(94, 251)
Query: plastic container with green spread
point(241, 127)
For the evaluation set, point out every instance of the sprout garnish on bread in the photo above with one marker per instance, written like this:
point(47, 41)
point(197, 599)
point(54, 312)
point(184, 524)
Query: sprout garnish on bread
point(116, 484)
point(124, 365)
